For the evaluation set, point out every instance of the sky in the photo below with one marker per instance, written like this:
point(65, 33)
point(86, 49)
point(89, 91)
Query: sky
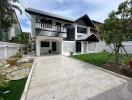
point(96, 9)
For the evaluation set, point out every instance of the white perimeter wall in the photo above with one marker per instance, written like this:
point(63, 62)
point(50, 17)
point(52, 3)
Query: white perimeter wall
point(8, 49)
point(100, 46)
point(127, 46)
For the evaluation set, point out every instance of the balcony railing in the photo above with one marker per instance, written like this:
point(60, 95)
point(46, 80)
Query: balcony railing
point(50, 27)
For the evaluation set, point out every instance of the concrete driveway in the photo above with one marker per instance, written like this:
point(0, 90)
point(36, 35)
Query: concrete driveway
point(61, 78)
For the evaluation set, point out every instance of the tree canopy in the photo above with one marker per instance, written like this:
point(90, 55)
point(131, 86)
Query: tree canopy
point(7, 13)
point(115, 28)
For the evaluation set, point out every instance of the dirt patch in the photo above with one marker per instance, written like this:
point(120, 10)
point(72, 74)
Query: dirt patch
point(125, 70)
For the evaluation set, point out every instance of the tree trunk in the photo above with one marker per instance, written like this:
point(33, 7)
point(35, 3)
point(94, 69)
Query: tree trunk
point(117, 55)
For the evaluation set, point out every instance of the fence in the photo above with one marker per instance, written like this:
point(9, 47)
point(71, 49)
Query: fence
point(100, 46)
point(8, 49)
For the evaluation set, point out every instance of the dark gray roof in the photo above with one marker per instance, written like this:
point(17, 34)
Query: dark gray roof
point(35, 11)
point(85, 17)
point(86, 21)
point(91, 38)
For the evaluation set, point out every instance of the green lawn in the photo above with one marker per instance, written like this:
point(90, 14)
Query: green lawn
point(16, 89)
point(98, 58)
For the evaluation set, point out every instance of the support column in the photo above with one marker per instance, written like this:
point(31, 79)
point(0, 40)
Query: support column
point(82, 47)
point(37, 47)
point(62, 47)
point(88, 30)
point(75, 26)
point(5, 50)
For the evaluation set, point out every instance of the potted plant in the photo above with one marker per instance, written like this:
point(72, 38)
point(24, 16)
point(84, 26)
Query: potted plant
point(71, 54)
point(49, 51)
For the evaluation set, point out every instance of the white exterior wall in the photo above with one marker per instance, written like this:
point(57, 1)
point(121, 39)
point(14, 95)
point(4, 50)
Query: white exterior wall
point(8, 49)
point(68, 46)
point(80, 35)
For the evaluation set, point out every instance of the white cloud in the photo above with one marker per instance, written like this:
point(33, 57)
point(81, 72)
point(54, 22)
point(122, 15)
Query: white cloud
point(26, 29)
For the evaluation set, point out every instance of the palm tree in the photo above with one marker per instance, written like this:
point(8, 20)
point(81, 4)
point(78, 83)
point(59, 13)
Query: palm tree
point(14, 6)
point(7, 9)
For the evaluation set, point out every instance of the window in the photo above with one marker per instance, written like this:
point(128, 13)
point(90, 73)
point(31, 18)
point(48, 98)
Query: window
point(46, 21)
point(44, 44)
point(81, 30)
point(58, 26)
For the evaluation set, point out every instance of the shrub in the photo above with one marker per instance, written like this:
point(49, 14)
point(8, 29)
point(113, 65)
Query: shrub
point(4, 85)
point(25, 49)
point(19, 53)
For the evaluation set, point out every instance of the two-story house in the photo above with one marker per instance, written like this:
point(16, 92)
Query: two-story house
point(56, 34)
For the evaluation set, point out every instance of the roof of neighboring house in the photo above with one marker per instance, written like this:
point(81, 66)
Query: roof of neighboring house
point(39, 12)
point(96, 22)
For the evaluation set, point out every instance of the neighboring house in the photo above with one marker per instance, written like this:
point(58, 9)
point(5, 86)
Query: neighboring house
point(96, 30)
point(15, 30)
point(56, 34)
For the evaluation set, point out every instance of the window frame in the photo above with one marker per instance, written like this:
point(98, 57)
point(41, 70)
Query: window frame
point(45, 44)
point(81, 30)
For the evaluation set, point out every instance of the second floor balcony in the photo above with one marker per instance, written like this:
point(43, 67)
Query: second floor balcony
point(50, 27)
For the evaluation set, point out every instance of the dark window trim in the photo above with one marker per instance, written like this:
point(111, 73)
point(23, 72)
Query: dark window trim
point(81, 30)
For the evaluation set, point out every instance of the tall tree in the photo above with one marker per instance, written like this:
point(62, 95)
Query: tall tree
point(7, 13)
point(114, 29)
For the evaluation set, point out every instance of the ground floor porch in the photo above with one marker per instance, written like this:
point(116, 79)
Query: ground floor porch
point(48, 45)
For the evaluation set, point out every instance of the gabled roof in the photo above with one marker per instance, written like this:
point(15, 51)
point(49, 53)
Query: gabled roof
point(44, 13)
point(85, 21)
point(89, 38)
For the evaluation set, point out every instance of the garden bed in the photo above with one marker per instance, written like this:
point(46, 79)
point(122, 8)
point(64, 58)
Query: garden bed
point(15, 71)
point(104, 60)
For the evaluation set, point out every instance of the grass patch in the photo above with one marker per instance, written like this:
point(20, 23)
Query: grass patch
point(99, 58)
point(16, 88)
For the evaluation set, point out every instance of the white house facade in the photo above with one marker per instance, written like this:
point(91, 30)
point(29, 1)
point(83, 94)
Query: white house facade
point(59, 35)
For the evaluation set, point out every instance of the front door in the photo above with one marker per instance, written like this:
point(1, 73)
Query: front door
point(53, 46)
point(78, 46)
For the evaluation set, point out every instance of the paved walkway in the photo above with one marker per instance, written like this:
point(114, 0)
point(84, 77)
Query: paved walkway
point(62, 78)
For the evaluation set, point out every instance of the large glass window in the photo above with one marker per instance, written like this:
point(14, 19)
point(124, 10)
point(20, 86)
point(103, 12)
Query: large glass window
point(45, 44)
point(81, 30)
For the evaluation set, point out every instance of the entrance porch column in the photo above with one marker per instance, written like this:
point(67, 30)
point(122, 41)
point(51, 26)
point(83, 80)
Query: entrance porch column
point(62, 47)
point(37, 47)
point(82, 47)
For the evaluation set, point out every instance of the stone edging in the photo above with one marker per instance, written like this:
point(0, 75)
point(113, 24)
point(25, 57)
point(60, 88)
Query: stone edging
point(24, 94)
point(102, 69)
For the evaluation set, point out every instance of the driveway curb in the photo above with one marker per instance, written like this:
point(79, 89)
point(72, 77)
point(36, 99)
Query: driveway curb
point(24, 94)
